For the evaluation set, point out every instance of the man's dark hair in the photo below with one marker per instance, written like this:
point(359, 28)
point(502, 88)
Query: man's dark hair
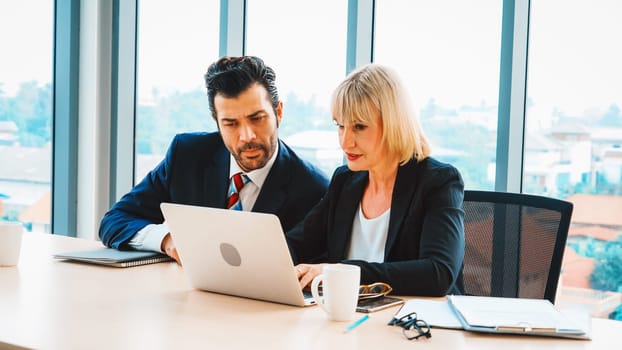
point(230, 76)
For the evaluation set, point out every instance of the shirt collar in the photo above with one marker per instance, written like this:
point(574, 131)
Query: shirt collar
point(257, 176)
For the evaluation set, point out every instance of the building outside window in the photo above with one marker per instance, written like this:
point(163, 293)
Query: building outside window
point(573, 144)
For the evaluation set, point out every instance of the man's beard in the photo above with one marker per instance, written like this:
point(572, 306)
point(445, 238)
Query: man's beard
point(255, 163)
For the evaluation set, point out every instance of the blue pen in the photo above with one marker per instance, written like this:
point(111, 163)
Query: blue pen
point(356, 323)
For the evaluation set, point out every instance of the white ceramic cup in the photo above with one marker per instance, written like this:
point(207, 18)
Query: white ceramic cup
point(10, 242)
point(340, 290)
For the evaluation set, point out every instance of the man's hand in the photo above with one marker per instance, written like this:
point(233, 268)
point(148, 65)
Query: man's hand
point(168, 247)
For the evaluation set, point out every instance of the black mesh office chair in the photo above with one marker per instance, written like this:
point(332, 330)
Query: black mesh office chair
point(514, 244)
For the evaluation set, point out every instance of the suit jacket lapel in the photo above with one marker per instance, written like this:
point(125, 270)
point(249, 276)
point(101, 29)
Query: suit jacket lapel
point(274, 190)
point(350, 198)
point(216, 181)
point(403, 191)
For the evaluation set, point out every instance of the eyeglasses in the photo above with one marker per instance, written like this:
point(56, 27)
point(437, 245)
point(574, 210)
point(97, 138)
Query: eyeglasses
point(374, 290)
point(412, 327)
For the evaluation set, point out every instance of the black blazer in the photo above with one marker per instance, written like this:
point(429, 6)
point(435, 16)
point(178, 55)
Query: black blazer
point(425, 242)
point(195, 171)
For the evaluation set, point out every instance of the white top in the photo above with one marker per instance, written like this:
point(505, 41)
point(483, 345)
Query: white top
point(151, 236)
point(369, 237)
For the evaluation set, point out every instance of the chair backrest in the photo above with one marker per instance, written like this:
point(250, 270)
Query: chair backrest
point(514, 244)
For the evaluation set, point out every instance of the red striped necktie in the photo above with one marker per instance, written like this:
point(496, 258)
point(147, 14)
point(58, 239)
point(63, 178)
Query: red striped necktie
point(238, 180)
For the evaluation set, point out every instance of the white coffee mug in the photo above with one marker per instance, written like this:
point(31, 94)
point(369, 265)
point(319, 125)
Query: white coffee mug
point(340, 290)
point(10, 242)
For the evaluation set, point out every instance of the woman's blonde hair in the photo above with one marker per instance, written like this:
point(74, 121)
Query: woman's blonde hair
point(376, 88)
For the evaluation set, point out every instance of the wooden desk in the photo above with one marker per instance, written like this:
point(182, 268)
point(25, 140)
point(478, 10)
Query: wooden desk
point(50, 304)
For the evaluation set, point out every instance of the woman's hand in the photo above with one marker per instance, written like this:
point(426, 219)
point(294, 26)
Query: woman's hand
point(307, 272)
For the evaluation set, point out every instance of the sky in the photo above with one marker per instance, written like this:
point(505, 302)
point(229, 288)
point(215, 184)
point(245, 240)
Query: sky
point(444, 49)
point(26, 36)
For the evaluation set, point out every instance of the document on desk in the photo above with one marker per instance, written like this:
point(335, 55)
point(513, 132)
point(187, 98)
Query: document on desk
point(515, 316)
point(497, 315)
point(437, 314)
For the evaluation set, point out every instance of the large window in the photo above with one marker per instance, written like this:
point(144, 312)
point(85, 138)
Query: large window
point(447, 53)
point(25, 112)
point(305, 43)
point(176, 43)
point(573, 144)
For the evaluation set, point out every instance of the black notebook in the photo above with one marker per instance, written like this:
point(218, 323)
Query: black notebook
point(115, 258)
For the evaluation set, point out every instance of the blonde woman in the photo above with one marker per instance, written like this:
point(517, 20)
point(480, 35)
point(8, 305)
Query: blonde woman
point(393, 210)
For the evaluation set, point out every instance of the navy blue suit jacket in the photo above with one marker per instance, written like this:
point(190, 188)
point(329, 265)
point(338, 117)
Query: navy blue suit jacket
point(196, 172)
point(425, 242)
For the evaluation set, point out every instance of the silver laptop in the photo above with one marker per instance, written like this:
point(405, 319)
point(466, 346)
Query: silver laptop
point(234, 252)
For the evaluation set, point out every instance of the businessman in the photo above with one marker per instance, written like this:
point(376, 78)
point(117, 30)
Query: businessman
point(243, 166)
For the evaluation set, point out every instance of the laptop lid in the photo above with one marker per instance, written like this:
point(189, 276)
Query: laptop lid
point(234, 252)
